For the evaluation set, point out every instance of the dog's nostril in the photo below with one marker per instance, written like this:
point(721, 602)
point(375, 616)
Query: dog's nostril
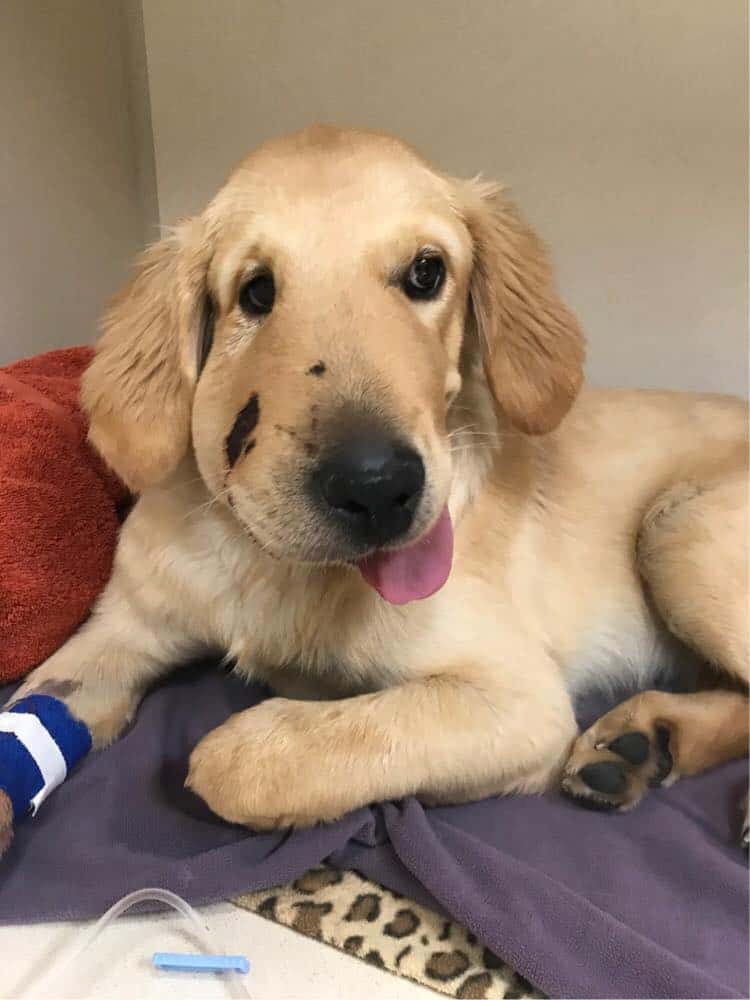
point(352, 507)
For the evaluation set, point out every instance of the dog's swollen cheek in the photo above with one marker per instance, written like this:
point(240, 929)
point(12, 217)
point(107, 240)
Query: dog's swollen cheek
point(245, 422)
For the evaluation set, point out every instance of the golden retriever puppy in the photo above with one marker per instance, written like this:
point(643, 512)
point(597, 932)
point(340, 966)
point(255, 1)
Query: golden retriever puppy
point(350, 399)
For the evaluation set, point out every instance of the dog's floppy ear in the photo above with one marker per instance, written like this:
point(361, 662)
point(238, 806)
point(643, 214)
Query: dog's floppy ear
point(533, 346)
point(138, 389)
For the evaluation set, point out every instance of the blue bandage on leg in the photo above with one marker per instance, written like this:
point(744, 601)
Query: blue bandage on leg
point(40, 741)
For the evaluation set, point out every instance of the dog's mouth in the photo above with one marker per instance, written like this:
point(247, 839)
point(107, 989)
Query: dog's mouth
point(415, 571)
point(400, 575)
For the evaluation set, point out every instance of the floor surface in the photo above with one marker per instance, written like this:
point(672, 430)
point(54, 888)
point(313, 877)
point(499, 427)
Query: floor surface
point(284, 965)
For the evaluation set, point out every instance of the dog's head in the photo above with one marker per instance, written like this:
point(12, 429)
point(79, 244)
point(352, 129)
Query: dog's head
point(307, 336)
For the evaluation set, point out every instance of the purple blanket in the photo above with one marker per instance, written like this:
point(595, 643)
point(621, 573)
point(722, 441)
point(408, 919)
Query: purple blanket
point(650, 904)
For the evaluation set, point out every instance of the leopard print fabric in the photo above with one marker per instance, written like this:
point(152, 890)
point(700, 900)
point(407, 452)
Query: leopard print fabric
point(390, 932)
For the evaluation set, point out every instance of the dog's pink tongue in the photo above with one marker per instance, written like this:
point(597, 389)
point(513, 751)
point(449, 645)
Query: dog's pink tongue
point(414, 572)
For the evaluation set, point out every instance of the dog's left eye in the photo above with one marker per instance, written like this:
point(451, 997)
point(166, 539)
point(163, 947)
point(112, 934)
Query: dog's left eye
point(257, 295)
point(425, 276)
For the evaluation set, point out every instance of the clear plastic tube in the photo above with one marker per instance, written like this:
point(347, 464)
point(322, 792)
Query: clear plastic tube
point(53, 975)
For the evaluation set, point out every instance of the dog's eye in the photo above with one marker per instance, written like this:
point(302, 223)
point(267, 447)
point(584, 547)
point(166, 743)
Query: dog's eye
point(425, 277)
point(257, 295)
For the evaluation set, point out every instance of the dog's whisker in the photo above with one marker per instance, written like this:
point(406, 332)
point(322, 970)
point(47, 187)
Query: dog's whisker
point(474, 439)
point(463, 427)
point(476, 434)
point(471, 430)
point(463, 449)
point(203, 507)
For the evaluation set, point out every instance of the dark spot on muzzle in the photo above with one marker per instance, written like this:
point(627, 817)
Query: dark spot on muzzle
point(243, 426)
point(285, 430)
point(318, 369)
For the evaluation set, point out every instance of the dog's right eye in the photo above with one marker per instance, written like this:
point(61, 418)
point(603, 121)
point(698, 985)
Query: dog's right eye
point(425, 276)
point(258, 294)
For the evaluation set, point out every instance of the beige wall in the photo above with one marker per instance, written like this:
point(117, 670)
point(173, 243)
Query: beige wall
point(621, 125)
point(76, 198)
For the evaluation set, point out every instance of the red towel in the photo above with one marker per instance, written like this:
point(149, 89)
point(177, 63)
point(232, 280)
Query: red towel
point(58, 510)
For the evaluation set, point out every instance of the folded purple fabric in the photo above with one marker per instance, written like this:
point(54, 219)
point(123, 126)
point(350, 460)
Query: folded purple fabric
point(650, 904)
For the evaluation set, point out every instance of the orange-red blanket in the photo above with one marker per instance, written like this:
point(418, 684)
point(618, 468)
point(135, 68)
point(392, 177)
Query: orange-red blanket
point(58, 509)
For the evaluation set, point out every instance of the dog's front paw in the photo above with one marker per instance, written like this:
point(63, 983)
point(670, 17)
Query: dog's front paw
point(615, 762)
point(6, 822)
point(265, 768)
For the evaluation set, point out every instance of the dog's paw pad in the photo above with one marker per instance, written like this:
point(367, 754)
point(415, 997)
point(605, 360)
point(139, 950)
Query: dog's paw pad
point(607, 776)
point(633, 747)
point(663, 761)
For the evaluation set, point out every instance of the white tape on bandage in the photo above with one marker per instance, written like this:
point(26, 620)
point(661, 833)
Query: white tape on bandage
point(29, 731)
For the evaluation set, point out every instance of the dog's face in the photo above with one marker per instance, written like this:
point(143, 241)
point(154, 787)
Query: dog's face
point(339, 280)
point(307, 336)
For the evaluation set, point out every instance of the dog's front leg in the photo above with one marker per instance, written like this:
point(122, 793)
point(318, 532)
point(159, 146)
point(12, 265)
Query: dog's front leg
point(102, 672)
point(446, 737)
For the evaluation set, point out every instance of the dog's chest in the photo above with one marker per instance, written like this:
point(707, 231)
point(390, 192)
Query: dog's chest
point(302, 633)
point(626, 648)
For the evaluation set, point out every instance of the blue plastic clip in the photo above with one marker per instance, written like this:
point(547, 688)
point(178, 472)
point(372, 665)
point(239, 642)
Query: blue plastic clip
point(174, 962)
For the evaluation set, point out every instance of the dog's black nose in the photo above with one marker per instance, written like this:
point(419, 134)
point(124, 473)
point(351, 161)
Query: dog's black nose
point(371, 485)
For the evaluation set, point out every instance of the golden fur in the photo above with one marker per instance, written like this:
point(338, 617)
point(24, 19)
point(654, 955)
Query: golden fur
point(599, 534)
